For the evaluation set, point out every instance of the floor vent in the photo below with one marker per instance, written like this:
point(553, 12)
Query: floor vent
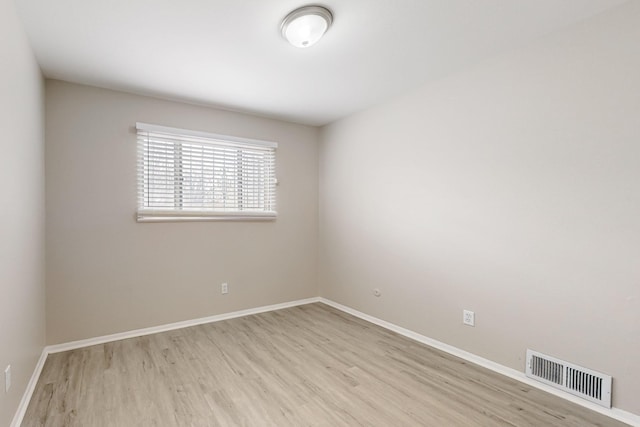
point(582, 382)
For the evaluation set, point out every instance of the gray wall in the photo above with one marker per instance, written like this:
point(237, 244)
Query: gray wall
point(511, 189)
point(106, 273)
point(22, 326)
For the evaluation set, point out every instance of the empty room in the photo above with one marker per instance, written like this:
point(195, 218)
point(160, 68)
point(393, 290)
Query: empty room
point(342, 213)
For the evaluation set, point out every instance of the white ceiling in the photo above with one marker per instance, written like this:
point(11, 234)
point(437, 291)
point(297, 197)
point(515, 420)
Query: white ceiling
point(230, 54)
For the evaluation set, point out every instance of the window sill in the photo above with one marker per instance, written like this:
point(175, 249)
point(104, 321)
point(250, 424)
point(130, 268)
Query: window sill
point(202, 218)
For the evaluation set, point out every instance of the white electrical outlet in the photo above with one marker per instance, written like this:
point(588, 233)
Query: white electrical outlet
point(468, 317)
point(224, 288)
point(7, 378)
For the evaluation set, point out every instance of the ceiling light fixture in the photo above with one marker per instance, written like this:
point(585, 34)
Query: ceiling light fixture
point(305, 26)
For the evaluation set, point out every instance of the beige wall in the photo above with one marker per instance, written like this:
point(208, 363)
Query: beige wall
point(22, 326)
point(106, 273)
point(511, 189)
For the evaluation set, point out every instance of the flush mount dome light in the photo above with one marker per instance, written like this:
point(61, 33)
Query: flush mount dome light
point(305, 26)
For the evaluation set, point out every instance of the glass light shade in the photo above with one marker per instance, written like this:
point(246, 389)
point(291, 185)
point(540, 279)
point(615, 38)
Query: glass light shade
point(305, 26)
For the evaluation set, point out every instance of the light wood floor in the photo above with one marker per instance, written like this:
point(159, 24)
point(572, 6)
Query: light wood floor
point(304, 366)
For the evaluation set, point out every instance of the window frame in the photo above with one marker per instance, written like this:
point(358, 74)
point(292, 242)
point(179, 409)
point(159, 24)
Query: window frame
point(246, 150)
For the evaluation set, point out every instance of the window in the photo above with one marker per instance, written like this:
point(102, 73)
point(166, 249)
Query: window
point(189, 175)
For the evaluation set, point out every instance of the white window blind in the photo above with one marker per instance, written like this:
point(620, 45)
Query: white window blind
point(190, 175)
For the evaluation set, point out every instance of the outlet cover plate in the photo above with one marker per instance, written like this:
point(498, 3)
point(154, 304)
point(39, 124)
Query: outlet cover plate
point(468, 317)
point(224, 288)
point(7, 378)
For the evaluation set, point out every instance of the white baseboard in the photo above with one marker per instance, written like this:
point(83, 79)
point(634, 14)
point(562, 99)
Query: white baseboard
point(615, 413)
point(57, 348)
point(31, 386)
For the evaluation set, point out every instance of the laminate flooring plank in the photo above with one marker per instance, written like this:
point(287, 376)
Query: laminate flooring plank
point(307, 366)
